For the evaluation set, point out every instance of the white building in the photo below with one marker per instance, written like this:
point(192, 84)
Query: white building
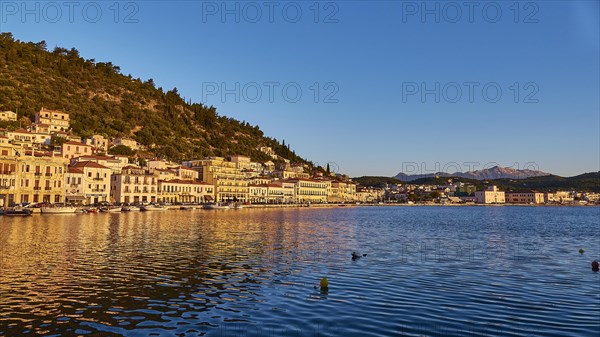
point(490, 196)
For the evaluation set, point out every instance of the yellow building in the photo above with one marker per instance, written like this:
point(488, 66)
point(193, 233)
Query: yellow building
point(184, 191)
point(490, 196)
point(130, 143)
point(71, 149)
point(258, 193)
point(525, 197)
point(367, 194)
point(8, 173)
point(41, 178)
point(99, 142)
point(342, 191)
point(58, 120)
point(22, 136)
point(8, 116)
point(310, 190)
point(228, 179)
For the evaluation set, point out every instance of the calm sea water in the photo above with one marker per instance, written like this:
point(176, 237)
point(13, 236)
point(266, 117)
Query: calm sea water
point(429, 271)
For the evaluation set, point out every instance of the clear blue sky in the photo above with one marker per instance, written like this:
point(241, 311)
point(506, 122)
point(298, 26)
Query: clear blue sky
point(372, 61)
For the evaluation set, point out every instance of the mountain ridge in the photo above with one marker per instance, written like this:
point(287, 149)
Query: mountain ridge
point(496, 172)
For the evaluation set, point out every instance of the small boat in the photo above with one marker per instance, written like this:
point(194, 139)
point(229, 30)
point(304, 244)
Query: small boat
point(215, 206)
point(130, 209)
point(58, 209)
point(237, 206)
point(148, 208)
point(187, 208)
point(18, 212)
point(92, 210)
point(110, 209)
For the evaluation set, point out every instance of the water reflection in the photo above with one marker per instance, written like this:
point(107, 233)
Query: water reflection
point(254, 272)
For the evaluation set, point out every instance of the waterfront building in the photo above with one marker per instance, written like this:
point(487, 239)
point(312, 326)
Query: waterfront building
point(490, 196)
point(133, 185)
point(74, 186)
point(57, 120)
point(310, 190)
point(88, 183)
point(228, 179)
point(524, 197)
point(342, 191)
point(258, 193)
point(41, 178)
point(184, 191)
point(8, 173)
point(560, 197)
point(368, 194)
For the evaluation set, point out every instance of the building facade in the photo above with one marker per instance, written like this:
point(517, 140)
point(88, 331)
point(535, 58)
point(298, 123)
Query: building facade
point(133, 185)
point(184, 191)
point(57, 120)
point(490, 196)
point(525, 197)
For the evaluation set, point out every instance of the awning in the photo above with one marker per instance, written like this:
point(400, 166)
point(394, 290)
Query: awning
point(75, 197)
point(208, 197)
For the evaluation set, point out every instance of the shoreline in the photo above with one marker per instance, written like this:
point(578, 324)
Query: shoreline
point(322, 206)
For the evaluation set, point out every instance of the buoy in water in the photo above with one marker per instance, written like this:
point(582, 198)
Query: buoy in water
point(581, 250)
point(595, 266)
point(324, 283)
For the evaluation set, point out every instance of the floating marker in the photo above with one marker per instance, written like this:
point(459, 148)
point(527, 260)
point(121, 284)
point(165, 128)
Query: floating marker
point(581, 250)
point(324, 283)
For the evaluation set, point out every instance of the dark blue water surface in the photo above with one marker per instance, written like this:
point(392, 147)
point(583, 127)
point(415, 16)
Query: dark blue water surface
point(429, 271)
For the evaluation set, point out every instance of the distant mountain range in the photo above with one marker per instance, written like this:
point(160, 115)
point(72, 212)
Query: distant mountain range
point(495, 172)
point(589, 182)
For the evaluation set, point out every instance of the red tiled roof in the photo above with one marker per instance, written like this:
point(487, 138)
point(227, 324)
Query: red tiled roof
point(72, 169)
point(91, 164)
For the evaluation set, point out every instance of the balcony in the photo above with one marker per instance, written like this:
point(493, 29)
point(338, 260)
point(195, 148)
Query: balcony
point(48, 174)
point(98, 190)
point(98, 179)
point(38, 174)
point(37, 188)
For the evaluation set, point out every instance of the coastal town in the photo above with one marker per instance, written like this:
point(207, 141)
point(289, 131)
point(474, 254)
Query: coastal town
point(47, 164)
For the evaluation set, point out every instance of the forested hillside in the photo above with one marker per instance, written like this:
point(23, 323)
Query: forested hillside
point(101, 100)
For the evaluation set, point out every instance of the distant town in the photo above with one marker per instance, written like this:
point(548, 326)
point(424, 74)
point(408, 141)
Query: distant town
point(47, 164)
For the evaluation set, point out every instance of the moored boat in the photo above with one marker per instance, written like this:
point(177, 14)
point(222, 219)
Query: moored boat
point(148, 208)
point(58, 209)
point(18, 211)
point(110, 209)
point(215, 206)
point(130, 209)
